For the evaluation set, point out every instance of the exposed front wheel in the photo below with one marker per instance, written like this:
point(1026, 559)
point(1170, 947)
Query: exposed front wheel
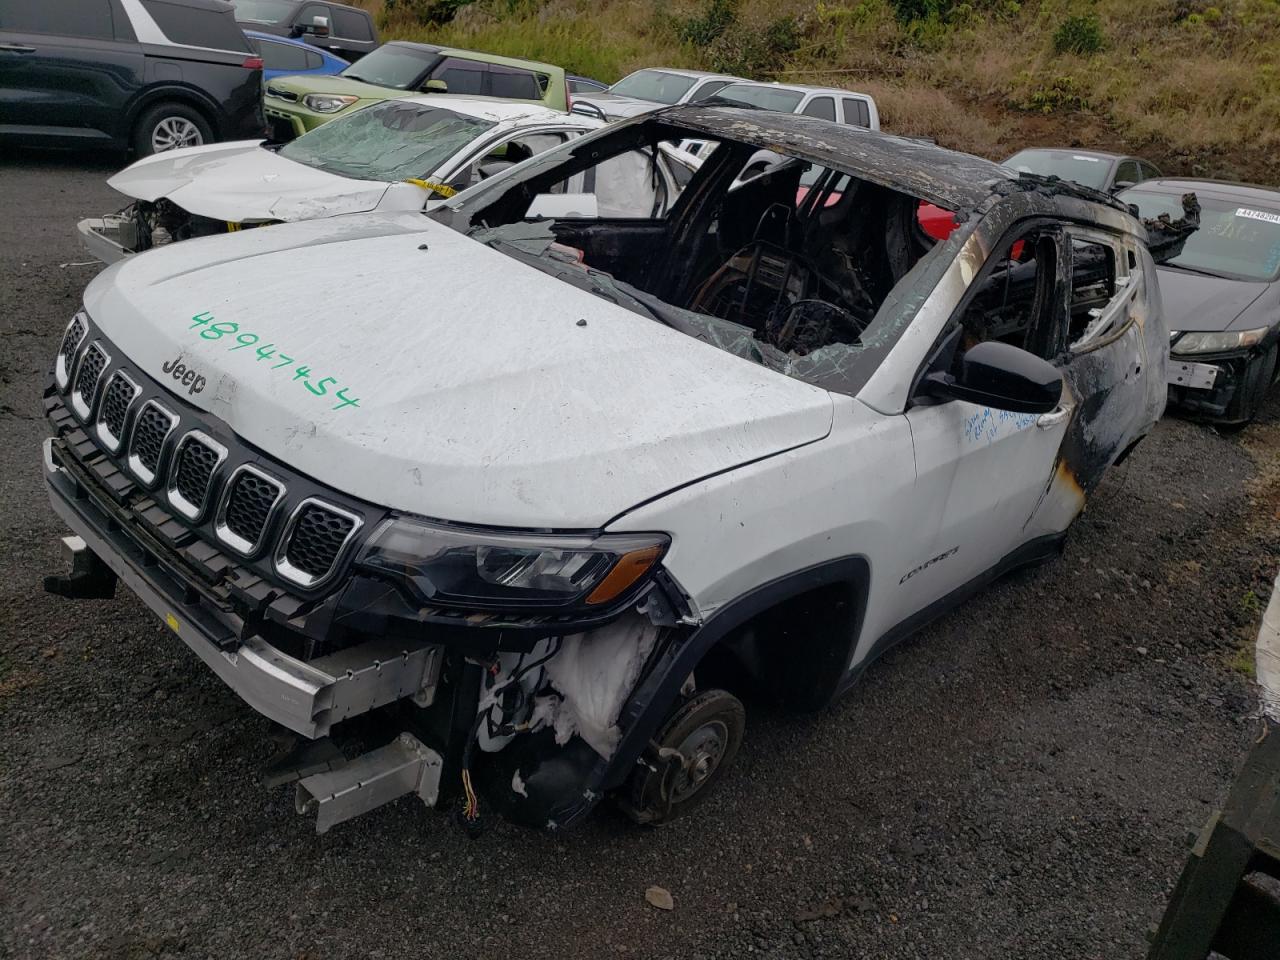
point(688, 756)
point(168, 126)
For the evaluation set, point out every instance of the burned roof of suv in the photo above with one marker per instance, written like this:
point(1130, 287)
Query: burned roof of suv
point(956, 181)
point(951, 179)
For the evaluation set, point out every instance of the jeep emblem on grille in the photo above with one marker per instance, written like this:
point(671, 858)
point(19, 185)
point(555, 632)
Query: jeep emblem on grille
point(184, 375)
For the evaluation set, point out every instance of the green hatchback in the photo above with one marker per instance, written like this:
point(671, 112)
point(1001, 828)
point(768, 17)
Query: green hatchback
point(294, 105)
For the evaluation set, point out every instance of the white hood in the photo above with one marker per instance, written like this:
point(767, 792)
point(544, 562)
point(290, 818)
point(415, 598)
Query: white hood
point(483, 398)
point(242, 181)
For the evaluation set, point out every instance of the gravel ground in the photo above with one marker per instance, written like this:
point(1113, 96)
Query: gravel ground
point(1018, 780)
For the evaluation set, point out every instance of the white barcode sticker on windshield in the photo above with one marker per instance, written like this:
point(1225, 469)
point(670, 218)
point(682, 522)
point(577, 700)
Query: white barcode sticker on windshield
point(1258, 215)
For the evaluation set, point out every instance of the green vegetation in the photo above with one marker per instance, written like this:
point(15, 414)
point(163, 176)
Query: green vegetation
point(1194, 86)
point(1058, 93)
point(1244, 661)
point(708, 26)
point(1080, 35)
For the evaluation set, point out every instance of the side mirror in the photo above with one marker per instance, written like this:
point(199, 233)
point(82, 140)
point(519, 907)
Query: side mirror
point(1002, 376)
point(585, 108)
point(435, 86)
point(1122, 185)
point(318, 27)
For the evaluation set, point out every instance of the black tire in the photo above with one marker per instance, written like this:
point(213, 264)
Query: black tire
point(176, 123)
point(1252, 390)
point(710, 726)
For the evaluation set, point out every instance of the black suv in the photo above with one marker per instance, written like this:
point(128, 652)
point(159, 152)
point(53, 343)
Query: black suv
point(347, 31)
point(151, 74)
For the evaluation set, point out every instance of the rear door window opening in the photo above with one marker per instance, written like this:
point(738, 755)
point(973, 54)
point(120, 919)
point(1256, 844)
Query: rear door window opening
point(285, 56)
point(1103, 282)
point(350, 25)
point(856, 111)
point(196, 27)
point(87, 19)
point(823, 107)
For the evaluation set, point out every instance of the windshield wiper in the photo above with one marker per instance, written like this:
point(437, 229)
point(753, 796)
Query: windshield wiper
point(1195, 270)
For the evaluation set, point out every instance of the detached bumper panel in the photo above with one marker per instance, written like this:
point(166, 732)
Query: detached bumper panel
point(1193, 376)
point(1211, 399)
point(307, 697)
point(101, 237)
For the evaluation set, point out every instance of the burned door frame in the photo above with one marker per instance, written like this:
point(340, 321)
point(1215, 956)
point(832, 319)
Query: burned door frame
point(891, 387)
point(1102, 369)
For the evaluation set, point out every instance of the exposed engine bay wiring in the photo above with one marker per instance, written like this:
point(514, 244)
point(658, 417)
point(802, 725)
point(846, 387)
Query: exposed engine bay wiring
point(509, 698)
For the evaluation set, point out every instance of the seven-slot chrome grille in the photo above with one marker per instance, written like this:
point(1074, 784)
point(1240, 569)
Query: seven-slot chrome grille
point(117, 398)
point(67, 351)
point(248, 505)
point(316, 535)
point(243, 502)
point(88, 373)
point(195, 458)
point(151, 429)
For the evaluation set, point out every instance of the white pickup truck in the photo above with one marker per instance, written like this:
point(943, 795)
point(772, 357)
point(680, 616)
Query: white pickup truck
point(542, 494)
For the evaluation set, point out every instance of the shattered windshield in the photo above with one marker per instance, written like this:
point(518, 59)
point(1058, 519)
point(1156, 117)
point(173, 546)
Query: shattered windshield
point(805, 269)
point(386, 141)
point(1236, 239)
point(392, 66)
point(801, 324)
point(1077, 167)
point(765, 97)
point(653, 85)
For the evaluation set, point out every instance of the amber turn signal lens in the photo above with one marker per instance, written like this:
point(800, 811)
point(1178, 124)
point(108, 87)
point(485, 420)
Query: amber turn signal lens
point(625, 572)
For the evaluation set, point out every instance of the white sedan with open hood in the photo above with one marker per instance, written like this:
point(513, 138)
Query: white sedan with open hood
point(394, 155)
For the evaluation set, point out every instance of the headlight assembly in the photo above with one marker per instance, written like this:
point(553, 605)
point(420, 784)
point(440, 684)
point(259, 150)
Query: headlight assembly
point(1193, 343)
point(327, 102)
point(497, 571)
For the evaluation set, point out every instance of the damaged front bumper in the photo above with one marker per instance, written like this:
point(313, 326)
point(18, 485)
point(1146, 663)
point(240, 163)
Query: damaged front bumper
point(1206, 388)
point(307, 697)
point(431, 685)
point(284, 125)
point(558, 777)
point(545, 711)
point(110, 239)
point(1191, 376)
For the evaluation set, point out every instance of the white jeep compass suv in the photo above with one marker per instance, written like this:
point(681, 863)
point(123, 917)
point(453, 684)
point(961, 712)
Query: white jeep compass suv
point(541, 493)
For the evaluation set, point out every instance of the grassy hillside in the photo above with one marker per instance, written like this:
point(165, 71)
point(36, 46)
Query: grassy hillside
point(1195, 87)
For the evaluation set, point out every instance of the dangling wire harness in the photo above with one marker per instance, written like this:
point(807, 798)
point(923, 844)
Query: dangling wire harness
point(471, 822)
